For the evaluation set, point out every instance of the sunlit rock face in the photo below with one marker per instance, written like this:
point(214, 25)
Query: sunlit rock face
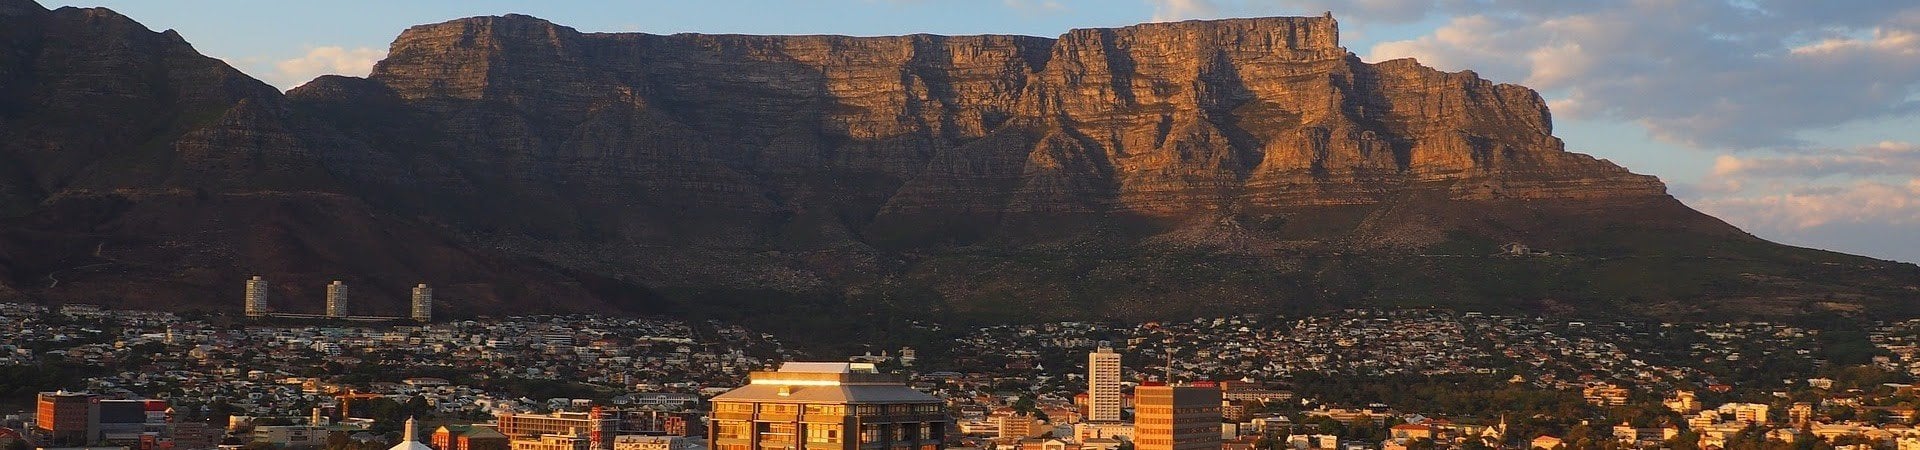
point(1156, 119)
point(1147, 171)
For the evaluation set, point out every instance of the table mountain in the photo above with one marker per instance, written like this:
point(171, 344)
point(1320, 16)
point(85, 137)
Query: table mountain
point(1158, 170)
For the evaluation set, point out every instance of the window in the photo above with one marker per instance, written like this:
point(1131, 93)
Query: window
point(776, 433)
point(779, 409)
point(823, 434)
point(732, 429)
point(733, 407)
point(869, 434)
point(826, 410)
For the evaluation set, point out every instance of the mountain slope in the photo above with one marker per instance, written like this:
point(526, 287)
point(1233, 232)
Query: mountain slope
point(140, 173)
point(1158, 170)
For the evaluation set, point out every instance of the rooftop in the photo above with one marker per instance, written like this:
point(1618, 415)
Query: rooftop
point(826, 382)
point(827, 367)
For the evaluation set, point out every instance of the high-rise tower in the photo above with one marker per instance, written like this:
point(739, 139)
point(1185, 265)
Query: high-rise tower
point(423, 303)
point(337, 299)
point(1103, 385)
point(1176, 417)
point(257, 297)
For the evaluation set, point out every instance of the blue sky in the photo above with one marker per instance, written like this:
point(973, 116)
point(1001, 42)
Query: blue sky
point(1794, 120)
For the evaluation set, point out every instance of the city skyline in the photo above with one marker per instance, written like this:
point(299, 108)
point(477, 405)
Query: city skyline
point(1338, 387)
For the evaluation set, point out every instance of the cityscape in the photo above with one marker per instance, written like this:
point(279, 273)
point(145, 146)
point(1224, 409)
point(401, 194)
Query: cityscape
point(960, 225)
point(1377, 379)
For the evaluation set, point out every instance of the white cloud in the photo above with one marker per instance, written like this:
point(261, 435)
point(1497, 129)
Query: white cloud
point(1172, 10)
point(323, 61)
point(1895, 42)
point(1832, 198)
point(1863, 202)
point(1385, 11)
point(1729, 75)
point(1885, 158)
point(1035, 6)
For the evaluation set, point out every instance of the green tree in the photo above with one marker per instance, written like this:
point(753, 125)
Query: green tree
point(1024, 405)
point(219, 412)
point(1686, 440)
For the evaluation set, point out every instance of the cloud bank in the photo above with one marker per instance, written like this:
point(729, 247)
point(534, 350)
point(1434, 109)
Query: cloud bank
point(1173, 10)
point(330, 60)
point(1708, 74)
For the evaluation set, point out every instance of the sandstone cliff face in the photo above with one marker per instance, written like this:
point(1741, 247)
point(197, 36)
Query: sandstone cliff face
point(1147, 171)
point(1156, 119)
point(924, 140)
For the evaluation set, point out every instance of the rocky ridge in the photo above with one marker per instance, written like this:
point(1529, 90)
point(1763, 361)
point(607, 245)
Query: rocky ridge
point(1152, 171)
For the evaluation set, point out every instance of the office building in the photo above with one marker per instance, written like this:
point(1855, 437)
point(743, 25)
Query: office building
point(192, 435)
point(597, 426)
point(1176, 417)
point(635, 442)
point(1752, 413)
point(845, 406)
point(127, 421)
point(649, 421)
point(1018, 426)
point(257, 297)
point(1605, 395)
point(1121, 431)
point(67, 418)
point(337, 299)
point(1251, 392)
point(423, 303)
point(1800, 414)
point(1103, 385)
point(291, 435)
point(571, 441)
point(468, 437)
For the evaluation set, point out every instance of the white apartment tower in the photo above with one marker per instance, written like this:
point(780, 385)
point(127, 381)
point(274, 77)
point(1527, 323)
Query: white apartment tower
point(257, 297)
point(337, 299)
point(1103, 385)
point(423, 303)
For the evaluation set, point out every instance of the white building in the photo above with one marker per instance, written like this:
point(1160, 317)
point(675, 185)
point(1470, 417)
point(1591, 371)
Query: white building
point(337, 299)
point(423, 303)
point(1103, 385)
point(257, 297)
point(1753, 413)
